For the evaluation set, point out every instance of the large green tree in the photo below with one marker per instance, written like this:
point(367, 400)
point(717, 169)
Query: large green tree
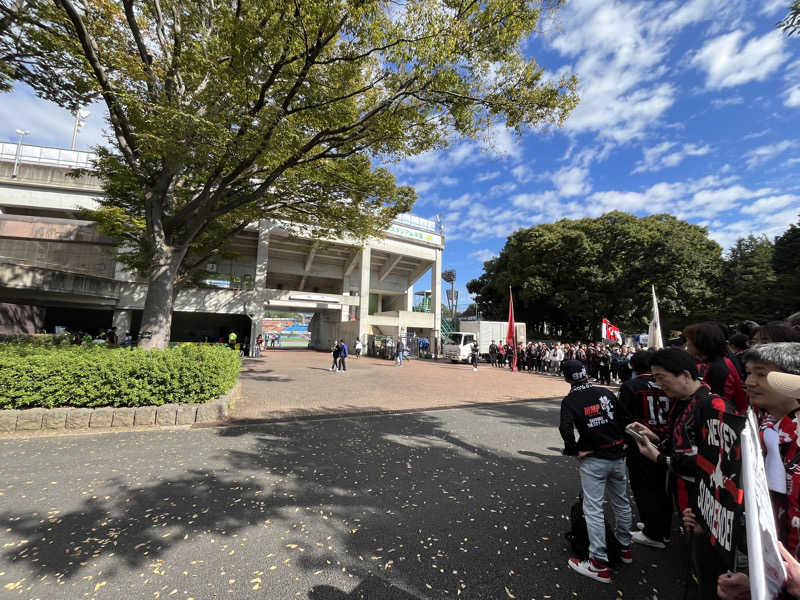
point(224, 112)
point(747, 287)
point(572, 273)
point(786, 263)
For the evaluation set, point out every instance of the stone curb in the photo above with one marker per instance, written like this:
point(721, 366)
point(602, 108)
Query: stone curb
point(48, 420)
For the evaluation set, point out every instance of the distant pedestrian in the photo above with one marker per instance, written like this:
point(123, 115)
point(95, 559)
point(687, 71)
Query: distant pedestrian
point(342, 356)
point(398, 353)
point(493, 354)
point(358, 347)
point(232, 340)
point(475, 350)
point(259, 344)
point(335, 352)
point(604, 366)
point(556, 356)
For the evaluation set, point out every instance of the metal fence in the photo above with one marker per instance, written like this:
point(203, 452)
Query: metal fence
point(52, 157)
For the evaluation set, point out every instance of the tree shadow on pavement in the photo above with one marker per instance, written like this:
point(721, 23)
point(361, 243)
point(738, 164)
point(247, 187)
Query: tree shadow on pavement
point(135, 524)
point(422, 508)
point(404, 502)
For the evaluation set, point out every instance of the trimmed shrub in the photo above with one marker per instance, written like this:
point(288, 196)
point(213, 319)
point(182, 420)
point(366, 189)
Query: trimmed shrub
point(47, 376)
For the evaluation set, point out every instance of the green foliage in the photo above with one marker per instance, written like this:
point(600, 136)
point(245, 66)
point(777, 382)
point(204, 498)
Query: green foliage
point(786, 263)
point(43, 375)
point(42, 339)
point(572, 273)
point(747, 289)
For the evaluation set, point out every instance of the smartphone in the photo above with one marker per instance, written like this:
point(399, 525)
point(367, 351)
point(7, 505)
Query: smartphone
point(637, 435)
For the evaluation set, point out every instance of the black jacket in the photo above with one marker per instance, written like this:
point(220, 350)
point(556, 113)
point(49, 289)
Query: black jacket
point(595, 413)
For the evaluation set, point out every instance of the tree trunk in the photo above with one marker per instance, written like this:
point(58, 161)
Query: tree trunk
point(157, 314)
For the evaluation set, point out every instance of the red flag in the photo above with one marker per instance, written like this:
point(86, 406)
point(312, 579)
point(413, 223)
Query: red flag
point(611, 332)
point(511, 332)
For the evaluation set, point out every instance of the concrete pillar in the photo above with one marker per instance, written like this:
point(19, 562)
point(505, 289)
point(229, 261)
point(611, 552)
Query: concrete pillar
point(262, 254)
point(363, 300)
point(255, 331)
point(436, 303)
point(380, 303)
point(122, 320)
point(345, 316)
point(410, 299)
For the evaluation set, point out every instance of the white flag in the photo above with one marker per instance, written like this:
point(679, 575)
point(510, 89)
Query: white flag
point(654, 331)
point(767, 573)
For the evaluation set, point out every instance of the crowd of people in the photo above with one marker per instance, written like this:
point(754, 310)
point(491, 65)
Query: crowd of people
point(605, 363)
point(107, 337)
point(649, 434)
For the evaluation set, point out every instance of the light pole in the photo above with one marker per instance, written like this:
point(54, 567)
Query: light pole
point(80, 115)
point(22, 133)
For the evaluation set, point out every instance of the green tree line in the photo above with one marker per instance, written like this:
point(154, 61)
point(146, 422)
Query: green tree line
point(568, 275)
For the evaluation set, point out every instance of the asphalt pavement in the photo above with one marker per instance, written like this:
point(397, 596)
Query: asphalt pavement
point(462, 503)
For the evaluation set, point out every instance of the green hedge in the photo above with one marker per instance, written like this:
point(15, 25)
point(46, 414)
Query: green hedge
point(34, 375)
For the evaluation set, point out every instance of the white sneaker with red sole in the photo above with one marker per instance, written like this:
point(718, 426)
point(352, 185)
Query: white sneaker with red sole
point(591, 568)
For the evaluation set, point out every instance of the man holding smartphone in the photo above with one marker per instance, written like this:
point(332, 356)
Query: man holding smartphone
point(648, 404)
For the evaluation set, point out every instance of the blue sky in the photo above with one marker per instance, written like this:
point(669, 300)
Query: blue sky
point(686, 107)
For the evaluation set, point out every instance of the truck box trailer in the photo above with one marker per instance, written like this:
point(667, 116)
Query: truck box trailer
point(457, 345)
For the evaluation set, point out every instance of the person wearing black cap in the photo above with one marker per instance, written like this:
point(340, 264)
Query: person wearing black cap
point(600, 448)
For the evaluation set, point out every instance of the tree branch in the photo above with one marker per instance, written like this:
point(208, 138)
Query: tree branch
point(144, 55)
point(125, 137)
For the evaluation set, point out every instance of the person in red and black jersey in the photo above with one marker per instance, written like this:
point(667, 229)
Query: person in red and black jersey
point(676, 374)
point(646, 403)
point(717, 367)
point(600, 448)
point(773, 380)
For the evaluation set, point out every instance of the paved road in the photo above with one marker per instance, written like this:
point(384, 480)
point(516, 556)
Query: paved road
point(467, 503)
point(287, 384)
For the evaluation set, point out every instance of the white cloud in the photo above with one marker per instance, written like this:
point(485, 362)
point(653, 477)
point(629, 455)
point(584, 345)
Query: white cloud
point(721, 102)
point(728, 63)
point(616, 61)
point(619, 51)
point(771, 204)
point(454, 204)
point(659, 157)
point(572, 181)
point(440, 161)
point(770, 224)
point(792, 95)
point(757, 134)
point(448, 180)
point(695, 11)
point(770, 7)
point(715, 201)
point(501, 141)
point(763, 154)
point(424, 186)
point(535, 201)
point(522, 173)
point(487, 176)
point(483, 254)
point(502, 189)
point(684, 199)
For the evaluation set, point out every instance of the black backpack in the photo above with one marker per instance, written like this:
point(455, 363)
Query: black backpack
point(578, 535)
